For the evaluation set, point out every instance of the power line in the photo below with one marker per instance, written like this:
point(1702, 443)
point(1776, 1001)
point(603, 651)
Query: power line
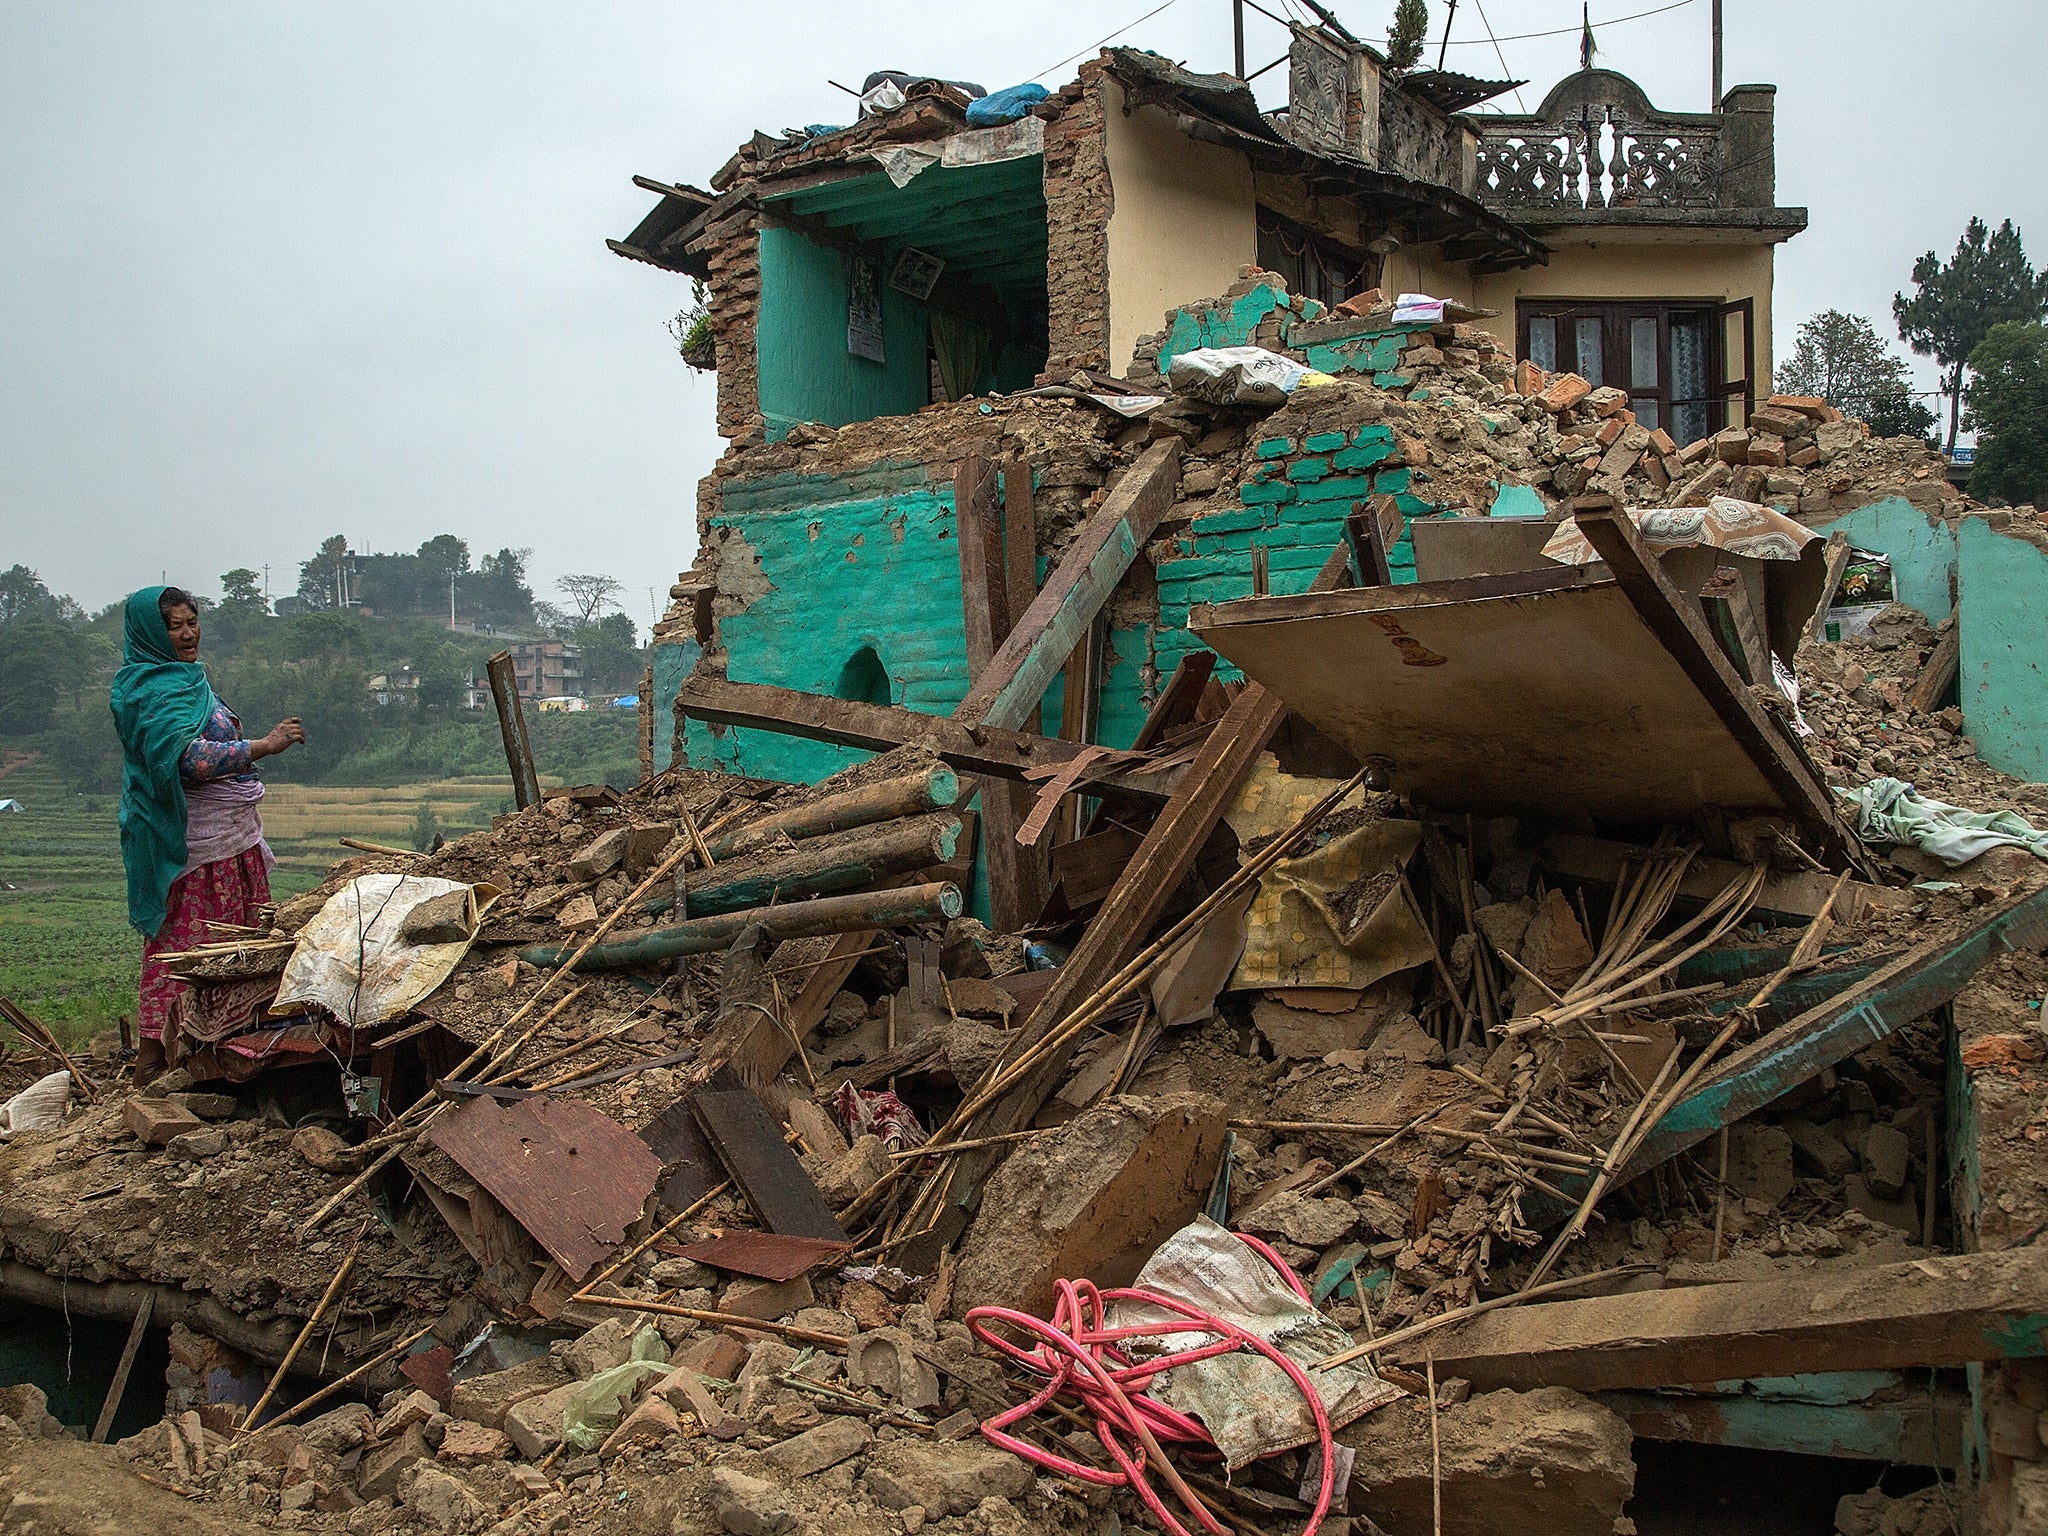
point(1505, 71)
point(1612, 21)
point(1119, 32)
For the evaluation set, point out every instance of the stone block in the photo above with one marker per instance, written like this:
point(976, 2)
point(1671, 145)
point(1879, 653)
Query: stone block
point(1835, 438)
point(1767, 450)
point(748, 1506)
point(599, 856)
point(465, 1443)
point(1760, 1161)
point(767, 1299)
point(1322, 442)
point(1732, 445)
point(1779, 422)
point(610, 1343)
point(1607, 401)
point(156, 1121)
point(207, 1141)
point(652, 1422)
point(843, 1179)
point(949, 1478)
point(487, 1398)
point(442, 1502)
point(1093, 1199)
point(1549, 1461)
point(886, 1359)
point(1887, 1153)
point(208, 1106)
point(1563, 392)
point(1529, 379)
point(535, 1424)
point(386, 1464)
point(1274, 448)
point(416, 1407)
point(645, 846)
point(815, 1450)
point(1819, 1150)
point(717, 1355)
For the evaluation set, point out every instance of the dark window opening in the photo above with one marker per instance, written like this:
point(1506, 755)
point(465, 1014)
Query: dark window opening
point(1314, 266)
point(1682, 363)
point(863, 679)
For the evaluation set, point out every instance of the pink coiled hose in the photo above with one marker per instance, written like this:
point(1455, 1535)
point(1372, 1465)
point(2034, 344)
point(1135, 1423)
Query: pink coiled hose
point(1078, 1352)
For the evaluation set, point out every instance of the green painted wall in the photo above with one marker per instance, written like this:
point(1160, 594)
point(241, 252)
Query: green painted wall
point(2004, 679)
point(805, 372)
point(1922, 550)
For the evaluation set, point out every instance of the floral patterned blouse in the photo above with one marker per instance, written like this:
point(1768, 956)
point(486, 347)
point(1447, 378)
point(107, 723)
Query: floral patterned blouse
point(218, 751)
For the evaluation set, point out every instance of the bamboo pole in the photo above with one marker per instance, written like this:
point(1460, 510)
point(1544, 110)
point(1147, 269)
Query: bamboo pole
point(327, 1299)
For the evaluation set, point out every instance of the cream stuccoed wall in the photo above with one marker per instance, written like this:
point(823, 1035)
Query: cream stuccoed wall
point(1183, 219)
point(1670, 268)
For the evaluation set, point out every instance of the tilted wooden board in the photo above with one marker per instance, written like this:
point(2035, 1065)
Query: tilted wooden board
point(767, 1172)
point(575, 1179)
point(1941, 1311)
point(1542, 691)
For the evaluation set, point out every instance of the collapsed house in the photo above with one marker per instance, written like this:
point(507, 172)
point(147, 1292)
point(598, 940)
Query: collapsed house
point(1163, 740)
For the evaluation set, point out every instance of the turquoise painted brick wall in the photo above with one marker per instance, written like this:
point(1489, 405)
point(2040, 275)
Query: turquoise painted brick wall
point(1296, 505)
point(2003, 683)
point(1922, 550)
point(805, 372)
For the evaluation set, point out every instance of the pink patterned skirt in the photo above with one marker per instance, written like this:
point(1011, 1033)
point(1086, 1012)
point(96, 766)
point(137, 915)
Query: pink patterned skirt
point(225, 891)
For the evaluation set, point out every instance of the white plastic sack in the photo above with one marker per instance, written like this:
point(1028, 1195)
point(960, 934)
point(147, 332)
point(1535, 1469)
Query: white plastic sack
point(1412, 307)
point(41, 1106)
point(1247, 1403)
point(1235, 375)
point(351, 961)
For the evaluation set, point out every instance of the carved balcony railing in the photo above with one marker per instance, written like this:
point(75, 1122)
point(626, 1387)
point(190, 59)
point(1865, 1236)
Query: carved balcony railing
point(1598, 143)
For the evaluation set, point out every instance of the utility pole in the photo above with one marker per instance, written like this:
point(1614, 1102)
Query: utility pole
point(451, 600)
point(1450, 16)
point(1237, 33)
point(1716, 106)
point(266, 584)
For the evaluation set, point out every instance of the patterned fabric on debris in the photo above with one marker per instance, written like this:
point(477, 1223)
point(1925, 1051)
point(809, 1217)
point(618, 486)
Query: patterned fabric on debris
point(871, 1112)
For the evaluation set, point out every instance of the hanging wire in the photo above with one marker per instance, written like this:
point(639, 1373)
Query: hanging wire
point(1518, 37)
point(1119, 32)
point(1506, 73)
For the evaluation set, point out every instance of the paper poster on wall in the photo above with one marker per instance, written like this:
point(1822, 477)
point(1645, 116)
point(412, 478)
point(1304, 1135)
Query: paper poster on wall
point(864, 307)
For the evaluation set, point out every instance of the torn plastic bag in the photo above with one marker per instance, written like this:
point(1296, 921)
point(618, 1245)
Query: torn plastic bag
point(1238, 375)
point(41, 1106)
point(1246, 1402)
point(352, 958)
point(595, 1408)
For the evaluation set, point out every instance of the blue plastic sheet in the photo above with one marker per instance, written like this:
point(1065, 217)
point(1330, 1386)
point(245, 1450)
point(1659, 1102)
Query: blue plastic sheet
point(1004, 106)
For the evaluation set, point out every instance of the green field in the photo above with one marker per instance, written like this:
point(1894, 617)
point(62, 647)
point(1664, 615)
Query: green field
point(67, 954)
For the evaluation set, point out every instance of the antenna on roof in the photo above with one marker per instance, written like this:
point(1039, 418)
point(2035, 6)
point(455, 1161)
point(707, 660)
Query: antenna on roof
point(1443, 47)
point(846, 88)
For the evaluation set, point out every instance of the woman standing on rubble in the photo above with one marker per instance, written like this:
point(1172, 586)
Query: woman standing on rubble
point(191, 838)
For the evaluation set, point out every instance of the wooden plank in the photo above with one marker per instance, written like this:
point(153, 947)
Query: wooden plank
point(1176, 703)
point(1081, 709)
point(764, 1255)
point(1938, 676)
point(1086, 869)
point(573, 1178)
point(1451, 548)
point(1767, 1069)
point(123, 1368)
point(1016, 874)
point(1777, 755)
point(1945, 1311)
point(1501, 704)
point(1020, 551)
point(1148, 883)
point(882, 727)
point(512, 726)
point(1077, 589)
point(1903, 1426)
point(767, 1172)
point(675, 1137)
point(1834, 563)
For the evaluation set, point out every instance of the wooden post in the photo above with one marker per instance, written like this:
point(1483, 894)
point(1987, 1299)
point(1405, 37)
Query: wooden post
point(1046, 633)
point(119, 1384)
point(512, 723)
point(1016, 875)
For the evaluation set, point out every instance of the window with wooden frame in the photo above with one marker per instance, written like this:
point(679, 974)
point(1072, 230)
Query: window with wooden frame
point(1686, 364)
point(1315, 266)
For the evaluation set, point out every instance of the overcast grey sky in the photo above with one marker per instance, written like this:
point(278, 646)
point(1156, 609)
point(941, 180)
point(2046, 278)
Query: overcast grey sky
point(274, 271)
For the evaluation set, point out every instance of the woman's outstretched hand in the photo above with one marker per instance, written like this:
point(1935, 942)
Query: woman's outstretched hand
point(286, 733)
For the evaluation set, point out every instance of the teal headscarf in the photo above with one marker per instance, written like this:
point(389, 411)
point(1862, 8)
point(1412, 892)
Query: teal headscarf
point(160, 705)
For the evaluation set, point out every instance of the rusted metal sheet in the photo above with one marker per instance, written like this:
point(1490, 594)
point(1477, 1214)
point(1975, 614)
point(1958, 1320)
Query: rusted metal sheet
point(573, 1178)
point(764, 1255)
